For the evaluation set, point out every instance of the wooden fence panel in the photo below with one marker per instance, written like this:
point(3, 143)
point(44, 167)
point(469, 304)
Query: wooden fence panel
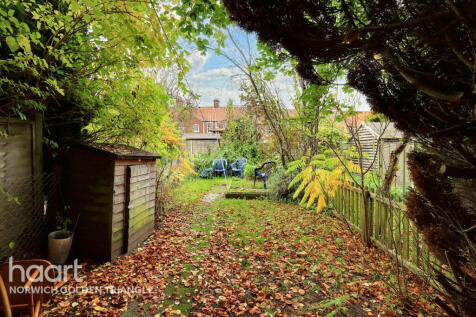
point(22, 224)
point(389, 227)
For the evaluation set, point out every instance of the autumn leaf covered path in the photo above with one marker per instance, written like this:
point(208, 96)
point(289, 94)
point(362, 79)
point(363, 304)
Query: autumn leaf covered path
point(248, 257)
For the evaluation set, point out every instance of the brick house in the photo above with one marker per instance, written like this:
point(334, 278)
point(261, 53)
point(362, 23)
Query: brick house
point(202, 127)
point(206, 120)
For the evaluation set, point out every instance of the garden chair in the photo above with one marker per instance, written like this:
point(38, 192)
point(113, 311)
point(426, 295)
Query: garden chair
point(220, 165)
point(263, 172)
point(239, 166)
point(28, 301)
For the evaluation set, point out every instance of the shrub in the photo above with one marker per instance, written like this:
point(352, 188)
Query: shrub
point(278, 183)
point(203, 161)
point(249, 172)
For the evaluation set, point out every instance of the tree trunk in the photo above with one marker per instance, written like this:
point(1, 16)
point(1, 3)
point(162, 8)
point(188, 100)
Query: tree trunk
point(391, 170)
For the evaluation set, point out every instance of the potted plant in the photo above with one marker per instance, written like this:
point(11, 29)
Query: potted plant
point(59, 242)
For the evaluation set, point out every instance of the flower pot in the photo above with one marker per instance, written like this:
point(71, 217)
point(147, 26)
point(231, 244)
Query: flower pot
point(59, 245)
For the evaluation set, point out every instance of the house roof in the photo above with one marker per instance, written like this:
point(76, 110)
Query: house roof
point(356, 119)
point(385, 130)
point(210, 113)
point(220, 114)
point(216, 114)
point(119, 150)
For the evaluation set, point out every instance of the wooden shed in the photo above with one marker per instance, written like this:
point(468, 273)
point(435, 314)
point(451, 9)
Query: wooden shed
point(112, 188)
point(378, 140)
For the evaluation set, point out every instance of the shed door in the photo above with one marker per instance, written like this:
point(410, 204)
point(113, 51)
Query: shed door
point(140, 204)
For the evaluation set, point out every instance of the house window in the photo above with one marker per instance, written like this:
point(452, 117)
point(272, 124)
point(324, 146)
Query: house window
point(217, 125)
point(196, 128)
point(209, 127)
point(181, 128)
point(267, 130)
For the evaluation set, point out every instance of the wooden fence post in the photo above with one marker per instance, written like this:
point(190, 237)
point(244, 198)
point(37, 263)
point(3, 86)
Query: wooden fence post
point(415, 245)
point(377, 217)
point(425, 257)
point(389, 225)
point(406, 236)
point(364, 214)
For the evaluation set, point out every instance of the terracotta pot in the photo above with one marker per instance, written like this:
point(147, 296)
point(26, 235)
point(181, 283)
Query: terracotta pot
point(59, 245)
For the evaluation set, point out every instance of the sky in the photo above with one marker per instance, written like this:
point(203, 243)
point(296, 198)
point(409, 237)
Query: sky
point(214, 76)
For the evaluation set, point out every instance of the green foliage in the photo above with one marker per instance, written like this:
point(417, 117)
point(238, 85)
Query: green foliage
point(337, 305)
point(278, 184)
point(375, 183)
point(81, 63)
point(64, 224)
point(203, 161)
point(249, 172)
point(9, 196)
point(241, 138)
point(378, 117)
point(135, 112)
point(56, 48)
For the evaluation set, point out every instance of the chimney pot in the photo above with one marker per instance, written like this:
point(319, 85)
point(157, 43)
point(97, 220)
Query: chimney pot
point(216, 103)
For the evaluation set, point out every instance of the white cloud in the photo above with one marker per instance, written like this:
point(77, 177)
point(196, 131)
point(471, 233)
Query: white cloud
point(215, 74)
point(223, 83)
point(207, 94)
point(197, 60)
point(212, 83)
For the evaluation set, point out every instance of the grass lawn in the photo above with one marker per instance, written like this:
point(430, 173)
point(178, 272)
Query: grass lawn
point(193, 189)
point(232, 257)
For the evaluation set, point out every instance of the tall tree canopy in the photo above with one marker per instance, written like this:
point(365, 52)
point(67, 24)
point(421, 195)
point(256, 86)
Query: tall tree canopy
point(416, 63)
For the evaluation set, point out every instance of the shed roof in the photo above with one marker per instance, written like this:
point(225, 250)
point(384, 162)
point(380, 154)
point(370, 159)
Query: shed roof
point(385, 130)
point(119, 150)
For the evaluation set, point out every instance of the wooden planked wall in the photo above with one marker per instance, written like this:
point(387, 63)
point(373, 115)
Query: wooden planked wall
point(369, 144)
point(402, 176)
point(20, 171)
point(194, 146)
point(90, 193)
point(16, 151)
point(134, 204)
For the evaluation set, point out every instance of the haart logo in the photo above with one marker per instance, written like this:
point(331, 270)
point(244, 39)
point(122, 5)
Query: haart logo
point(39, 273)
